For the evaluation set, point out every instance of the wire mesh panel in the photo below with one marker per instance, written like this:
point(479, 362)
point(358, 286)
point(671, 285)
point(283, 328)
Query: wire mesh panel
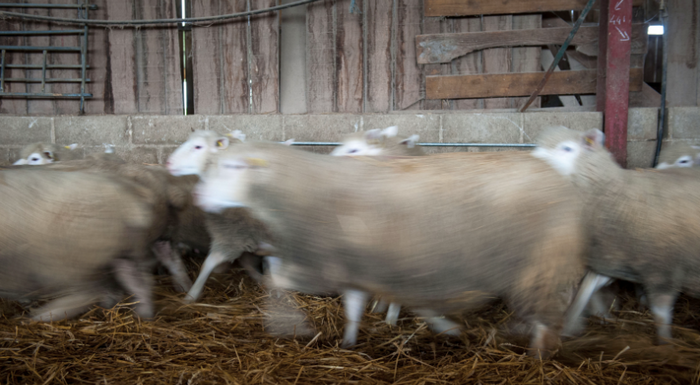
point(55, 62)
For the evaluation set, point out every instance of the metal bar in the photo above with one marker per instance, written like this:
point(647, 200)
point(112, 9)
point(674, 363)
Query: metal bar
point(2, 72)
point(43, 75)
point(64, 6)
point(560, 54)
point(44, 95)
point(664, 76)
point(83, 55)
point(39, 49)
point(48, 80)
point(617, 86)
point(42, 33)
point(48, 66)
point(429, 144)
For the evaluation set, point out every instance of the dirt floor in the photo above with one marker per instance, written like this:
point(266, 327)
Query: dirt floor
point(221, 340)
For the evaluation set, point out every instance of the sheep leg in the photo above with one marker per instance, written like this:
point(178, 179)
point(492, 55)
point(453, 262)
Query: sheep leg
point(171, 259)
point(64, 307)
point(137, 283)
point(544, 341)
point(662, 307)
point(214, 259)
point(392, 315)
point(380, 306)
point(590, 284)
point(354, 302)
point(439, 325)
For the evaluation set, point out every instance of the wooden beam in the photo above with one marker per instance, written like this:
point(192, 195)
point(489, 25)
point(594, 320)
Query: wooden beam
point(490, 7)
point(445, 47)
point(518, 84)
point(613, 80)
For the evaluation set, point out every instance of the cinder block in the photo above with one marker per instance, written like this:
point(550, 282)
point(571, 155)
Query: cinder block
point(255, 127)
point(683, 123)
point(137, 154)
point(427, 126)
point(4, 156)
point(92, 130)
point(165, 129)
point(535, 122)
point(14, 154)
point(482, 128)
point(642, 123)
point(22, 130)
point(165, 152)
point(320, 128)
point(640, 154)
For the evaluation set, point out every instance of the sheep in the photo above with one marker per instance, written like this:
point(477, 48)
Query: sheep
point(167, 199)
point(439, 234)
point(642, 224)
point(379, 142)
point(45, 153)
point(233, 231)
point(77, 237)
point(678, 154)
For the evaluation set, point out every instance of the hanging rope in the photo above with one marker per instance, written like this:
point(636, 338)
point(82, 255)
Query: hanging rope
point(141, 23)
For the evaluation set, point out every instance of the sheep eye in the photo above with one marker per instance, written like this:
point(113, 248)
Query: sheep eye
point(197, 147)
point(684, 161)
point(352, 151)
point(568, 149)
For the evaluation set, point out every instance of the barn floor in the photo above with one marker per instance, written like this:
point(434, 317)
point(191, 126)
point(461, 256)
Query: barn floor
point(221, 341)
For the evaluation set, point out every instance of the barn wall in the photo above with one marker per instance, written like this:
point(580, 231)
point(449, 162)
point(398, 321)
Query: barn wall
point(151, 138)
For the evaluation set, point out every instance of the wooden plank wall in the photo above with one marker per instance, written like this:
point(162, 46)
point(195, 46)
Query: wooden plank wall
point(132, 70)
point(377, 49)
point(236, 64)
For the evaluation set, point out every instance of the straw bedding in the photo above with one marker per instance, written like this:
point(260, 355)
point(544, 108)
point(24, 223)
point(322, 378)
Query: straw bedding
point(221, 340)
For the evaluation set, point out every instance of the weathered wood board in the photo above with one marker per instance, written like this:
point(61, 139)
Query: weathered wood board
point(443, 48)
point(518, 84)
point(490, 7)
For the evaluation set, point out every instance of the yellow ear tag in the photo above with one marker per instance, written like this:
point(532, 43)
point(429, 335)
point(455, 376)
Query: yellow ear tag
point(66, 147)
point(257, 162)
point(219, 143)
point(229, 135)
point(589, 141)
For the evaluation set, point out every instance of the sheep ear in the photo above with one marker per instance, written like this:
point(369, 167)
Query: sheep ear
point(288, 142)
point(594, 137)
point(237, 134)
point(373, 134)
point(20, 162)
point(49, 154)
point(390, 132)
point(411, 141)
point(222, 143)
point(72, 146)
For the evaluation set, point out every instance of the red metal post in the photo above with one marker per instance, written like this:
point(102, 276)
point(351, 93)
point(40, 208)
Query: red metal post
point(614, 73)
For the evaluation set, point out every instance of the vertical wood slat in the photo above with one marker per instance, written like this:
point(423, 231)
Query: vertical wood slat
point(100, 71)
point(469, 63)
point(157, 61)
point(264, 61)
point(349, 57)
point(121, 59)
point(37, 106)
point(64, 106)
point(233, 47)
point(433, 25)
point(497, 60)
point(526, 59)
point(379, 17)
point(206, 60)
point(320, 57)
point(14, 106)
point(408, 75)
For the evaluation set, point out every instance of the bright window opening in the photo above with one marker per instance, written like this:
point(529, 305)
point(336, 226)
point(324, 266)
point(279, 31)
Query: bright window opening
point(656, 30)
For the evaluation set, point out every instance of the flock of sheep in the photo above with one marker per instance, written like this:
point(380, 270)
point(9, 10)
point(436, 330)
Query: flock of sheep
point(440, 234)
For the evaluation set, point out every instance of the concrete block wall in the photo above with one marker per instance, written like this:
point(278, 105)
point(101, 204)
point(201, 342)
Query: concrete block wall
point(151, 138)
